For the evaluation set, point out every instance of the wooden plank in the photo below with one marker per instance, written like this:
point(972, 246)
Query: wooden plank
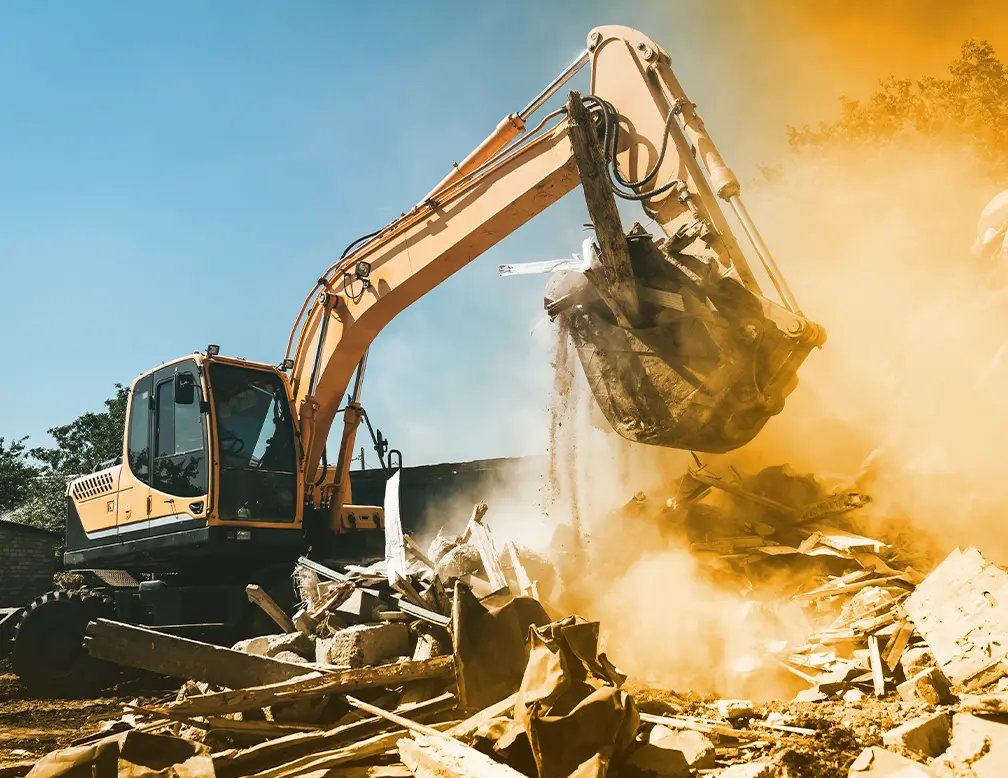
point(327, 760)
point(525, 583)
point(479, 511)
point(320, 569)
point(424, 614)
point(256, 594)
point(438, 757)
point(697, 725)
point(427, 647)
point(505, 707)
point(831, 590)
point(158, 652)
point(455, 635)
point(877, 668)
point(408, 592)
point(418, 552)
point(613, 274)
point(897, 644)
point(483, 541)
point(268, 755)
point(315, 686)
point(395, 718)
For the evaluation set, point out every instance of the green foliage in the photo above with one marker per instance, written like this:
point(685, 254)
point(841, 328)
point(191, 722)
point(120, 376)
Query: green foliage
point(88, 440)
point(970, 105)
point(33, 481)
point(16, 474)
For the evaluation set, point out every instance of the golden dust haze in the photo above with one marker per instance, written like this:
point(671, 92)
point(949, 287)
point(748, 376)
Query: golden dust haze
point(908, 399)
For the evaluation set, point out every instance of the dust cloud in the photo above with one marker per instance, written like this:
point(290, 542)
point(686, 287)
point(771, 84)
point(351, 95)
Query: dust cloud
point(907, 396)
point(906, 401)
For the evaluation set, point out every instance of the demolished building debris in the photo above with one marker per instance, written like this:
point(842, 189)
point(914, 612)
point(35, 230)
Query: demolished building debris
point(449, 664)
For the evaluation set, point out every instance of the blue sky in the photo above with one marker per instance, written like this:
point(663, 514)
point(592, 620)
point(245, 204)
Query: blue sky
point(176, 174)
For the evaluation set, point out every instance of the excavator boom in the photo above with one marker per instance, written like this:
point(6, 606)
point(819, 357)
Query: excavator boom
point(679, 346)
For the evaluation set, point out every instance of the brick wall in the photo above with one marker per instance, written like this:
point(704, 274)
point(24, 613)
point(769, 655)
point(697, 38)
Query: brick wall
point(26, 564)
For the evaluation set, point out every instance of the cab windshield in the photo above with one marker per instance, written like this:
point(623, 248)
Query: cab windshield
point(255, 444)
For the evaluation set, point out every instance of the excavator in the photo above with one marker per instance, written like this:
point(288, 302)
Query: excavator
point(225, 477)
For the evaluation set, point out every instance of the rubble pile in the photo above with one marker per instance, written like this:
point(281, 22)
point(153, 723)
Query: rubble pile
point(445, 662)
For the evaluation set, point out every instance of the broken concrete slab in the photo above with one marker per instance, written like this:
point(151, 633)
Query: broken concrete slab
point(984, 703)
point(979, 748)
point(271, 645)
point(929, 686)
point(257, 645)
point(928, 735)
point(363, 644)
point(916, 659)
point(876, 762)
point(695, 746)
point(289, 656)
point(961, 611)
point(651, 759)
point(735, 709)
point(463, 559)
point(362, 606)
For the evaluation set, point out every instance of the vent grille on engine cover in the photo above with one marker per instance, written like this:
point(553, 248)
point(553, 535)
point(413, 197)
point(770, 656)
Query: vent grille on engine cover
point(93, 486)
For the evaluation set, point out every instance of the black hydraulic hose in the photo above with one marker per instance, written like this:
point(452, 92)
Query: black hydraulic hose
point(325, 467)
point(610, 126)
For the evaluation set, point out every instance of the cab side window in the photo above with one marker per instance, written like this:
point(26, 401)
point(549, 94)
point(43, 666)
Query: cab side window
point(179, 453)
point(138, 439)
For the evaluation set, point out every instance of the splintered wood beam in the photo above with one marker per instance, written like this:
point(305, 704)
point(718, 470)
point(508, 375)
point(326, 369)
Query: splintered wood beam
point(159, 652)
point(273, 753)
point(613, 274)
point(439, 757)
point(317, 685)
point(258, 595)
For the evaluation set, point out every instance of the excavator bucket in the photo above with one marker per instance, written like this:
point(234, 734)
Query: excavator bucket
point(706, 365)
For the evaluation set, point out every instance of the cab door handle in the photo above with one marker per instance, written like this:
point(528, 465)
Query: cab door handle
point(150, 505)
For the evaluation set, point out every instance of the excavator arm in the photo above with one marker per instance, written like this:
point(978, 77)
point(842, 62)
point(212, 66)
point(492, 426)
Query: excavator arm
point(636, 126)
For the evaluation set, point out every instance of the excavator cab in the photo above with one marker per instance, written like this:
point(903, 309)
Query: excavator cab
point(210, 471)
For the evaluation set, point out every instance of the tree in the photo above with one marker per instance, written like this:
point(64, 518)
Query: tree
point(971, 105)
point(17, 474)
point(33, 492)
point(87, 441)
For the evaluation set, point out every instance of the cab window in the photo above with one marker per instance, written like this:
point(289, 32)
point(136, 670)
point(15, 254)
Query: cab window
point(138, 437)
point(179, 451)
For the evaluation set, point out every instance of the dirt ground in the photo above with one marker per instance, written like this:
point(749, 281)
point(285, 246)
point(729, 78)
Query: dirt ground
point(843, 730)
point(30, 727)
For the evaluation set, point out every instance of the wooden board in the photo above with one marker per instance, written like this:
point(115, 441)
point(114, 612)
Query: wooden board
point(158, 652)
point(439, 757)
point(265, 756)
point(483, 541)
point(427, 647)
point(258, 595)
point(877, 669)
point(332, 683)
point(961, 611)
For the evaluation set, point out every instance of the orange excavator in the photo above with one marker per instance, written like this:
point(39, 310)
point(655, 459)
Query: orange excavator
point(224, 476)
